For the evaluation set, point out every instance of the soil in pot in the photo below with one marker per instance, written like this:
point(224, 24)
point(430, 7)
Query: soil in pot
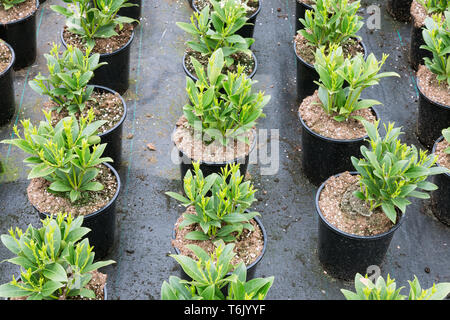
point(248, 247)
point(399, 9)
point(5, 57)
point(17, 12)
point(239, 58)
point(7, 100)
point(431, 88)
point(252, 5)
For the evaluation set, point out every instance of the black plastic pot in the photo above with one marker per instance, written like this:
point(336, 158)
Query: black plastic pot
point(300, 9)
point(307, 74)
point(102, 223)
point(250, 268)
point(190, 3)
point(7, 101)
point(214, 167)
point(440, 198)
point(432, 118)
point(21, 35)
point(113, 137)
point(323, 157)
point(247, 30)
point(399, 9)
point(132, 12)
point(342, 254)
point(194, 78)
point(416, 54)
point(116, 73)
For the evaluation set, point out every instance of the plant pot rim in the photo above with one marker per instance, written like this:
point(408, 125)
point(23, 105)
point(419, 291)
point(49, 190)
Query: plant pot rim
point(433, 151)
point(346, 234)
point(311, 66)
point(319, 136)
point(423, 95)
point(124, 47)
point(24, 18)
point(202, 162)
point(190, 75)
point(13, 58)
point(251, 17)
point(254, 263)
point(307, 6)
point(106, 207)
point(118, 124)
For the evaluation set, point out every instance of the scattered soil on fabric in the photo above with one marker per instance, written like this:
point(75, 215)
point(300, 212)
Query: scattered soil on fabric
point(443, 158)
point(194, 148)
point(252, 5)
point(431, 88)
point(248, 247)
point(5, 56)
point(106, 106)
point(330, 203)
point(350, 48)
point(320, 122)
point(17, 12)
point(239, 58)
point(102, 45)
point(51, 203)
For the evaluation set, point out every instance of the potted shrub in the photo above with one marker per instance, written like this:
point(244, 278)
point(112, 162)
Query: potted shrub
point(110, 35)
point(420, 10)
point(387, 290)
point(321, 27)
point(252, 8)
point(433, 81)
point(440, 198)
point(330, 119)
point(360, 211)
point(218, 30)
point(55, 264)
point(217, 208)
point(216, 126)
point(225, 283)
point(68, 92)
point(399, 9)
point(18, 28)
point(68, 174)
point(7, 102)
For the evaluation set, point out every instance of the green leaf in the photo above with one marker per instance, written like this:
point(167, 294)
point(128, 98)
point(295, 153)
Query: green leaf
point(55, 272)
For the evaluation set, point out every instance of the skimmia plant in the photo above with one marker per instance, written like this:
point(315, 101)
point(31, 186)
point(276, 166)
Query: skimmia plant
point(342, 81)
point(8, 4)
point(436, 35)
point(69, 75)
point(93, 19)
point(66, 155)
point(222, 107)
point(390, 172)
point(435, 6)
point(446, 134)
point(223, 213)
point(226, 20)
point(54, 262)
point(387, 290)
point(331, 22)
point(209, 276)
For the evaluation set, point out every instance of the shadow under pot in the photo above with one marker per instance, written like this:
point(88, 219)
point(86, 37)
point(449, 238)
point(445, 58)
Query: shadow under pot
point(323, 157)
point(101, 222)
point(194, 78)
point(21, 35)
point(343, 254)
point(399, 9)
point(251, 268)
point(432, 118)
point(307, 74)
point(116, 73)
point(440, 198)
point(7, 100)
point(247, 30)
point(300, 9)
point(207, 167)
point(132, 12)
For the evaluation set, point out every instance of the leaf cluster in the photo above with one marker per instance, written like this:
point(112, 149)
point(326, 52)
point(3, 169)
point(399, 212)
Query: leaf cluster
point(54, 262)
point(390, 172)
point(446, 134)
point(435, 6)
point(209, 276)
point(8, 4)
